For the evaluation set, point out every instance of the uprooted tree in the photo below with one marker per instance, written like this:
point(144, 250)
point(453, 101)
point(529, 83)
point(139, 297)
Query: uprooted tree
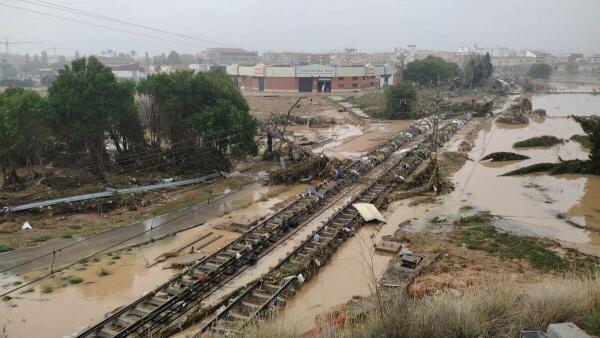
point(201, 116)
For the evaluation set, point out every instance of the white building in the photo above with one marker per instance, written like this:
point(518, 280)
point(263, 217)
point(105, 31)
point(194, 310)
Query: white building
point(133, 72)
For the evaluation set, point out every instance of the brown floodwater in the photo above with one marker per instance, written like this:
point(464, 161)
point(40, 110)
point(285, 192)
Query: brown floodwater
point(567, 104)
point(530, 205)
point(69, 308)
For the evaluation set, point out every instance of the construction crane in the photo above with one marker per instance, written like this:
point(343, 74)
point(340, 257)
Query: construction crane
point(8, 43)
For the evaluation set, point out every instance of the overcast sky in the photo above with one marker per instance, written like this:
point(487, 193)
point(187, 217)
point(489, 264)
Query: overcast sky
point(308, 25)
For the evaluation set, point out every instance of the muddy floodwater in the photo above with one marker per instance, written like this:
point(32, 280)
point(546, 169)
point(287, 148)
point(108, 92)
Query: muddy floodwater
point(529, 205)
point(83, 294)
point(568, 104)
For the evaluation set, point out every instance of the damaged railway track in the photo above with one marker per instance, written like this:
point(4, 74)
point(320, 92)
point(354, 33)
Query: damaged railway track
point(165, 304)
point(271, 291)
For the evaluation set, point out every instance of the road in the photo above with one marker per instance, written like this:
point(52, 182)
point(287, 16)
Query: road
point(163, 225)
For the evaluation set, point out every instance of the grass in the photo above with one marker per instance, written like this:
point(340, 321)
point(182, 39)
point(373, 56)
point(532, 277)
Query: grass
point(5, 248)
point(504, 156)
point(584, 140)
point(500, 310)
point(538, 141)
point(478, 234)
point(47, 288)
point(564, 167)
point(74, 280)
point(103, 272)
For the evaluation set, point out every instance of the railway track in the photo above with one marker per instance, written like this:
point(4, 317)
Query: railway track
point(168, 301)
point(281, 281)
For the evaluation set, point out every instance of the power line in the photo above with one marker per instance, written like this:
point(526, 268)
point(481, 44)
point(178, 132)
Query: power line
point(48, 4)
point(94, 24)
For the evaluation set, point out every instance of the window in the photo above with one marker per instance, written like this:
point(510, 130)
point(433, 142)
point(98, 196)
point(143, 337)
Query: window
point(355, 85)
point(355, 78)
point(341, 85)
point(340, 78)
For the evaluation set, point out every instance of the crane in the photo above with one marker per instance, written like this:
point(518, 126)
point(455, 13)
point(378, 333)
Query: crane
point(7, 43)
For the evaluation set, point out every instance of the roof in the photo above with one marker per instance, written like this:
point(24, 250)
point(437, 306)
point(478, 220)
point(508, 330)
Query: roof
point(132, 67)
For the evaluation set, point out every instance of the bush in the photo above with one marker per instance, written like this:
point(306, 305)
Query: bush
point(400, 101)
point(5, 248)
point(540, 71)
point(538, 141)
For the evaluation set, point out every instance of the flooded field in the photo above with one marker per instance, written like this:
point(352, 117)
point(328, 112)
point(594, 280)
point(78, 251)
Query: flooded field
point(567, 104)
point(529, 204)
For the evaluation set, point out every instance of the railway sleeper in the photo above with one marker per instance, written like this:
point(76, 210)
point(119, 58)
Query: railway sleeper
point(107, 332)
point(172, 290)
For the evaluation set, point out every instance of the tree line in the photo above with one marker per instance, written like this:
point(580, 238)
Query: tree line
point(401, 98)
point(193, 120)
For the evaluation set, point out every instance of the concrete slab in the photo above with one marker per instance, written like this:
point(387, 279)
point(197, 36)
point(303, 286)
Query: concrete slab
point(565, 330)
point(388, 246)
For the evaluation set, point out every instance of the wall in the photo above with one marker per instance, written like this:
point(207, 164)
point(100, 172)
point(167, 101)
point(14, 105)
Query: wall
point(281, 84)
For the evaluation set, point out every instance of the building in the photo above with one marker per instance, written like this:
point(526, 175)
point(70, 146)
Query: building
point(310, 78)
point(295, 59)
point(133, 72)
point(348, 57)
point(225, 56)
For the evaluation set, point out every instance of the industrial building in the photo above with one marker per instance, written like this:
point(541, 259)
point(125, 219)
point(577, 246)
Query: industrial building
point(310, 78)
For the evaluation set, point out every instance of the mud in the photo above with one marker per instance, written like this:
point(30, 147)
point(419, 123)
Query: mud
point(529, 206)
point(128, 275)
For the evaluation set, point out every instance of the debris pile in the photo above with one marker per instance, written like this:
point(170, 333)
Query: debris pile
point(315, 167)
point(513, 118)
point(517, 113)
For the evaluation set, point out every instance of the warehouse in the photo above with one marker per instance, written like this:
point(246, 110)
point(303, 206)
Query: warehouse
point(310, 78)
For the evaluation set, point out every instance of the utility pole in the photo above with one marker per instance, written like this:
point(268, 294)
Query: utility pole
point(8, 43)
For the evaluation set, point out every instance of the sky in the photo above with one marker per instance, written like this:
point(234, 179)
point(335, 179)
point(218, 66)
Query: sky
point(308, 25)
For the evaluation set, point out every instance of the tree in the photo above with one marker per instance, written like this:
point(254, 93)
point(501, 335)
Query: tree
point(44, 58)
point(487, 66)
point(205, 107)
point(7, 71)
point(147, 59)
point(173, 58)
point(429, 70)
point(87, 103)
point(591, 126)
point(572, 68)
point(540, 71)
point(400, 100)
point(477, 70)
point(23, 127)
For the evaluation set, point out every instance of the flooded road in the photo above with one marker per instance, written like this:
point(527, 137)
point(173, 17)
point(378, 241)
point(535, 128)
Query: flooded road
point(84, 293)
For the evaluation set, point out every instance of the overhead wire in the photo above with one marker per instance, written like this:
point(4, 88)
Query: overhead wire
point(72, 10)
point(95, 24)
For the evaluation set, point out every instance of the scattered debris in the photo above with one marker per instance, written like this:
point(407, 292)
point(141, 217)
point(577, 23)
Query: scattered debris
point(26, 226)
point(513, 118)
point(368, 212)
